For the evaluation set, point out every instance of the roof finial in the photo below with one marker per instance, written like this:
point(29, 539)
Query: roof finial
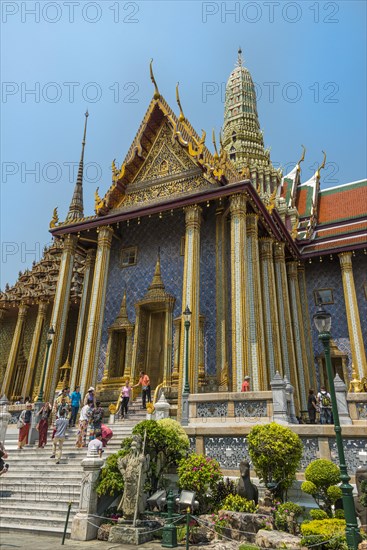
point(239, 57)
point(157, 95)
point(181, 118)
point(216, 156)
point(76, 209)
point(302, 157)
point(322, 165)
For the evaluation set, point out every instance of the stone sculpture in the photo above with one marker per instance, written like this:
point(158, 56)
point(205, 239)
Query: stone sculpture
point(245, 487)
point(130, 466)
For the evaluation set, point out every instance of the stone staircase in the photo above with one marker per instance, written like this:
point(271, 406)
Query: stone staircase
point(35, 493)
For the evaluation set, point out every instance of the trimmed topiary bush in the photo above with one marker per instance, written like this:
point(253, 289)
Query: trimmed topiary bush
point(235, 503)
point(275, 452)
point(282, 514)
point(321, 478)
point(327, 532)
point(318, 514)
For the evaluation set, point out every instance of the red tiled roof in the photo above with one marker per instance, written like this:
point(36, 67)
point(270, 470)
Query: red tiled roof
point(285, 188)
point(342, 229)
point(301, 202)
point(343, 203)
point(337, 243)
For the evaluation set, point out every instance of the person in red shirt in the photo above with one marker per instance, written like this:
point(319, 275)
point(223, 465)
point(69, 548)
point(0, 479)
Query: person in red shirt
point(246, 384)
point(144, 382)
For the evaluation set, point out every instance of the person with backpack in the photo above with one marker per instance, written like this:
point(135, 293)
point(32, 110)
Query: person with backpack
point(324, 402)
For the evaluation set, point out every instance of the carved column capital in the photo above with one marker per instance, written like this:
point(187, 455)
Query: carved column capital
point(345, 259)
point(301, 267)
point(279, 252)
point(91, 254)
point(193, 216)
point(292, 270)
point(266, 248)
point(23, 308)
point(42, 308)
point(69, 243)
point(237, 204)
point(105, 236)
point(252, 225)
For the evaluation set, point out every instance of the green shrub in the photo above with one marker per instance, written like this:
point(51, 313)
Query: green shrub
point(321, 478)
point(223, 488)
point(363, 495)
point(200, 474)
point(339, 514)
point(328, 532)
point(235, 503)
point(282, 513)
point(318, 514)
point(110, 480)
point(275, 452)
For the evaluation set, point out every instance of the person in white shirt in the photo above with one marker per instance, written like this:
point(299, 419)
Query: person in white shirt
point(96, 444)
point(61, 424)
point(84, 418)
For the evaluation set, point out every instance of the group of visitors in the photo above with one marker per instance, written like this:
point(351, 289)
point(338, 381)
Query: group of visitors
point(319, 404)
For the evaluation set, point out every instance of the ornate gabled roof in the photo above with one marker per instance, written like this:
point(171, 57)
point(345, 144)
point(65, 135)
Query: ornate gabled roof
point(39, 283)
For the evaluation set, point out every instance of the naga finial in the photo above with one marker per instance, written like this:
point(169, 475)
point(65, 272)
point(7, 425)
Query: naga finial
point(322, 165)
point(181, 118)
point(302, 157)
point(216, 156)
point(115, 171)
point(55, 219)
point(157, 95)
point(239, 57)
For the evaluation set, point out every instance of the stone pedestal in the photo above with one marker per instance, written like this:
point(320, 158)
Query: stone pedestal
point(278, 387)
point(4, 417)
point(341, 401)
point(162, 408)
point(125, 533)
point(85, 523)
point(290, 399)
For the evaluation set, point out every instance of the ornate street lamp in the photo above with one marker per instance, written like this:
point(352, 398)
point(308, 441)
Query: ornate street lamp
point(50, 337)
point(322, 320)
point(186, 388)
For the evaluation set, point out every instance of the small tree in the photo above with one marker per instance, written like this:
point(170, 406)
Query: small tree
point(275, 452)
point(200, 474)
point(321, 478)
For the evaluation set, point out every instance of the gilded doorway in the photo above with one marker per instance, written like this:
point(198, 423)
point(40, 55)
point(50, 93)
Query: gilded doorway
point(154, 364)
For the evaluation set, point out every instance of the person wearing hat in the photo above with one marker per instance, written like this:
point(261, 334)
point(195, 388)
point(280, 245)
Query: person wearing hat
point(90, 398)
point(246, 384)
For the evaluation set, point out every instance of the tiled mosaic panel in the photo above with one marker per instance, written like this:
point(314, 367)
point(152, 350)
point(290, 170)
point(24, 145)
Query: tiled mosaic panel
point(250, 409)
point(228, 451)
point(208, 286)
point(351, 449)
point(362, 410)
point(6, 337)
point(310, 451)
point(359, 262)
point(209, 410)
point(327, 274)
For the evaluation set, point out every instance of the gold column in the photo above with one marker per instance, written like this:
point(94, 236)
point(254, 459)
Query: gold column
point(238, 288)
point(128, 353)
point(33, 354)
point(255, 335)
point(190, 294)
point(306, 324)
point(270, 308)
point(14, 350)
point(221, 293)
point(82, 318)
point(354, 323)
point(285, 322)
point(298, 333)
point(168, 344)
point(59, 314)
point(96, 310)
point(176, 352)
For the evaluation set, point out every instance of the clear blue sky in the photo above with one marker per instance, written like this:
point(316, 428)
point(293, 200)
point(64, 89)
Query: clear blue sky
point(311, 51)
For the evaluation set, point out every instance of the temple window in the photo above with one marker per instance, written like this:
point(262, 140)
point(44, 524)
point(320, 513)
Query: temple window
point(128, 256)
point(232, 153)
point(163, 169)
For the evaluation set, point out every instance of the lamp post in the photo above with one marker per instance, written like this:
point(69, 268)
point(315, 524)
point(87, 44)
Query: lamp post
point(50, 337)
point(186, 388)
point(322, 320)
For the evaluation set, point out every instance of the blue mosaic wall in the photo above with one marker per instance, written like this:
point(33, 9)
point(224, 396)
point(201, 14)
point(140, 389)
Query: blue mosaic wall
point(360, 279)
point(327, 274)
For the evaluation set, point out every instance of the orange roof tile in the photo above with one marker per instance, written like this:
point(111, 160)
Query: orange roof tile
point(343, 203)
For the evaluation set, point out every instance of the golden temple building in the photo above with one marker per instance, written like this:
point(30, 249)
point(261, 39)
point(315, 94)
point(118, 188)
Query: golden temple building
point(251, 252)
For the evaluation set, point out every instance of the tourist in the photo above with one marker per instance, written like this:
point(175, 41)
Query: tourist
point(144, 382)
point(126, 392)
point(311, 406)
point(324, 402)
point(63, 406)
point(84, 418)
point(61, 424)
point(24, 424)
point(107, 434)
point(96, 444)
point(90, 398)
point(42, 425)
point(96, 419)
point(3, 454)
point(246, 384)
point(20, 401)
point(62, 399)
point(75, 404)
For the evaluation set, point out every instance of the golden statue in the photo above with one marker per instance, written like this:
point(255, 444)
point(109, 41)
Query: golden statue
point(55, 219)
point(355, 385)
point(294, 232)
point(270, 207)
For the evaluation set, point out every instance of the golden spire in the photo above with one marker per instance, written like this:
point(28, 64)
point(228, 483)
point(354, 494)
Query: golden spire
point(157, 95)
point(157, 277)
point(239, 57)
point(123, 311)
point(302, 157)
point(181, 118)
point(322, 165)
point(76, 208)
point(216, 156)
